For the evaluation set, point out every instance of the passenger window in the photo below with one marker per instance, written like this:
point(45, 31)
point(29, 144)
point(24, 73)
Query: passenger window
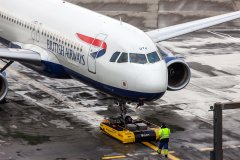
point(123, 58)
point(153, 57)
point(138, 58)
point(114, 57)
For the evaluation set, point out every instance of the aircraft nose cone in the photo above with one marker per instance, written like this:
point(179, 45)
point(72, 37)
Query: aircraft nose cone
point(152, 81)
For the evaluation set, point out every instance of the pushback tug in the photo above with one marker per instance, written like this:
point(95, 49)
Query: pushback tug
point(129, 131)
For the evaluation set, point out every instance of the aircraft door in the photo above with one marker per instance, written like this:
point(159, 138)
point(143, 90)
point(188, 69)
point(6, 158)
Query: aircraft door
point(36, 32)
point(98, 45)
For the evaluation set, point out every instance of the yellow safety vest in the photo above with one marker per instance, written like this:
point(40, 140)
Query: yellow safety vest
point(164, 133)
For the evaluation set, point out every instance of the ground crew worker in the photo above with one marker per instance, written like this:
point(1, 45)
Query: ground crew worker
point(164, 134)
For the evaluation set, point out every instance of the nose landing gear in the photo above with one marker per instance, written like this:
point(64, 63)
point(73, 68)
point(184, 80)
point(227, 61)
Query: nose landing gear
point(123, 108)
point(128, 130)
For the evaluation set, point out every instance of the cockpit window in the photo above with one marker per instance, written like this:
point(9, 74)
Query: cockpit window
point(153, 57)
point(138, 58)
point(114, 57)
point(123, 58)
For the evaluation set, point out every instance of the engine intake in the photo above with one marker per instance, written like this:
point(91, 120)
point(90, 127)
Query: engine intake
point(3, 87)
point(179, 74)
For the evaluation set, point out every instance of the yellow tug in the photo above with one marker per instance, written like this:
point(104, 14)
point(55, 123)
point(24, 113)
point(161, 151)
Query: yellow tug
point(130, 131)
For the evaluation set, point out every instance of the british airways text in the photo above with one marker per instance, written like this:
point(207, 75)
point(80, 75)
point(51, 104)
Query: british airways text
point(66, 52)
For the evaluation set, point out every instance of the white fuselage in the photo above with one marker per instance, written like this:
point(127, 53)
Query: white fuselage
point(67, 36)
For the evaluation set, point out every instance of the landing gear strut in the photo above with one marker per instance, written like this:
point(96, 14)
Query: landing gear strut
point(123, 108)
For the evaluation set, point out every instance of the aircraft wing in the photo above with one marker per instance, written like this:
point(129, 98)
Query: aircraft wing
point(20, 55)
point(180, 29)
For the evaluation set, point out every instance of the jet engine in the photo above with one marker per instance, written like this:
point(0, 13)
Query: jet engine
point(179, 74)
point(3, 87)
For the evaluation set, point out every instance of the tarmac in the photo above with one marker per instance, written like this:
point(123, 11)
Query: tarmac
point(49, 119)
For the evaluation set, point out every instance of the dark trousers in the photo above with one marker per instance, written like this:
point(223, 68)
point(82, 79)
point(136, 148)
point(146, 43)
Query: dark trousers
point(164, 145)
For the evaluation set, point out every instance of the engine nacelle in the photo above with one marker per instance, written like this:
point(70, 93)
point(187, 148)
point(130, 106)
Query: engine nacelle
point(3, 87)
point(179, 73)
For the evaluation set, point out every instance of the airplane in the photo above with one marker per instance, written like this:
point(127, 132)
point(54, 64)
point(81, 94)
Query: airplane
point(62, 40)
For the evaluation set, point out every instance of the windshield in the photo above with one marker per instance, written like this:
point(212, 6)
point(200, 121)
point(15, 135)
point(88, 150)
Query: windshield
point(138, 58)
point(153, 57)
point(123, 58)
point(114, 57)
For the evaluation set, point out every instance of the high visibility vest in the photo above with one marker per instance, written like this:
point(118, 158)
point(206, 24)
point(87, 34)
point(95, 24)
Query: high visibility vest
point(164, 133)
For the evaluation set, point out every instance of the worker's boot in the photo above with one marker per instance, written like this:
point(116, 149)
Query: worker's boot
point(166, 157)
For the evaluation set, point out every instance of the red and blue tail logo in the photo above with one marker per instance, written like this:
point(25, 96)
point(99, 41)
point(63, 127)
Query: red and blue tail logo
point(94, 42)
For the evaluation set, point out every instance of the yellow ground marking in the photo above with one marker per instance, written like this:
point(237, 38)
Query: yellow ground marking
point(155, 148)
point(211, 149)
point(113, 157)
